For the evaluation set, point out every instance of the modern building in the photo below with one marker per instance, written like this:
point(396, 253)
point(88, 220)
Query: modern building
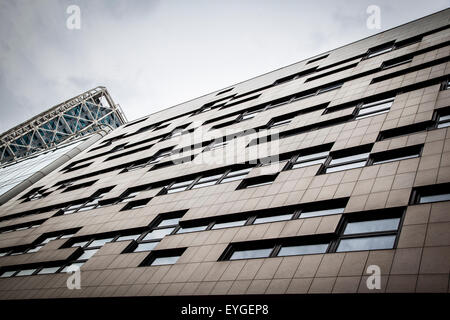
point(313, 178)
point(36, 147)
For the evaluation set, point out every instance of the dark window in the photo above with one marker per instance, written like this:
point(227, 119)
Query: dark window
point(92, 202)
point(367, 230)
point(295, 76)
point(374, 108)
point(317, 59)
point(405, 130)
point(397, 62)
point(163, 257)
point(443, 118)
point(225, 91)
point(429, 194)
point(348, 159)
point(376, 51)
point(258, 181)
point(396, 155)
point(80, 186)
point(375, 234)
point(309, 157)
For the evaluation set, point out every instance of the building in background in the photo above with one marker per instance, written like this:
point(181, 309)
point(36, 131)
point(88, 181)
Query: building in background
point(301, 180)
point(30, 150)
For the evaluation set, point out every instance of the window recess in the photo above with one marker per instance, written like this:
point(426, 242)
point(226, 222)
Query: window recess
point(347, 159)
point(396, 154)
point(163, 257)
point(362, 231)
point(405, 130)
point(90, 203)
point(366, 110)
point(431, 193)
point(309, 157)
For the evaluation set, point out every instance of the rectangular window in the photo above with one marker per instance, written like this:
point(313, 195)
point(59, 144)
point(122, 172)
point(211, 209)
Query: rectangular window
point(432, 193)
point(258, 181)
point(396, 62)
point(368, 230)
point(303, 249)
point(330, 87)
point(230, 224)
point(163, 257)
point(396, 155)
point(274, 218)
point(374, 231)
point(404, 130)
point(376, 51)
point(251, 254)
point(374, 108)
point(366, 243)
point(235, 175)
point(349, 159)
point(278, 123)
point(191, 229)
point(164, 225)
point(443, 118)
point(309, 158)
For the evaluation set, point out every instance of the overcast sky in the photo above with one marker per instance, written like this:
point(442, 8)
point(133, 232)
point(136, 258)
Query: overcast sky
point(155, 54)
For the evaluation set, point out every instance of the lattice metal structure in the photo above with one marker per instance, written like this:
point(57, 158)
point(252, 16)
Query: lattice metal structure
point(66, 121)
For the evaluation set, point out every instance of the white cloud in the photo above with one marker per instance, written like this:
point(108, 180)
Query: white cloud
point(154, 54)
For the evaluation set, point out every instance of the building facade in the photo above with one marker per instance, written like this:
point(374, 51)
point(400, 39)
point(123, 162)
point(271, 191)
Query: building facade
point(308, 179)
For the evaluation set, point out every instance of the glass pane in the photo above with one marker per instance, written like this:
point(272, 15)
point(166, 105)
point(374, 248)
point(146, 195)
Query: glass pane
point(146, 246)
point(175, 190)
point(169, 222)
point(181, 184)
point(35, 249)
point(378, 52)
point(191, 229)
point(249, 254)
point(87, 254)
point(26, 272)
point(350, 158)
point(7, 274)
point(367, 243)
point(435, 198)
point(318, 213)
point(80, 244)
point(72, 267)
point(443, 125)
point(229, 224)
point(129, 237)
point(371, 114)
point(347, 166)
point(48, 270)
point(305, 249)
point(308, 163)
point(210, 178)
point(204, 184)
point(372, 226)
point(312, 156)
point(282, 217)
point(99, 242)
point(379, 107)
point(233, 178)
point(47, 240)
point(158, 234)
point(239, 172)
point(165, 260)
point(396, 159)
